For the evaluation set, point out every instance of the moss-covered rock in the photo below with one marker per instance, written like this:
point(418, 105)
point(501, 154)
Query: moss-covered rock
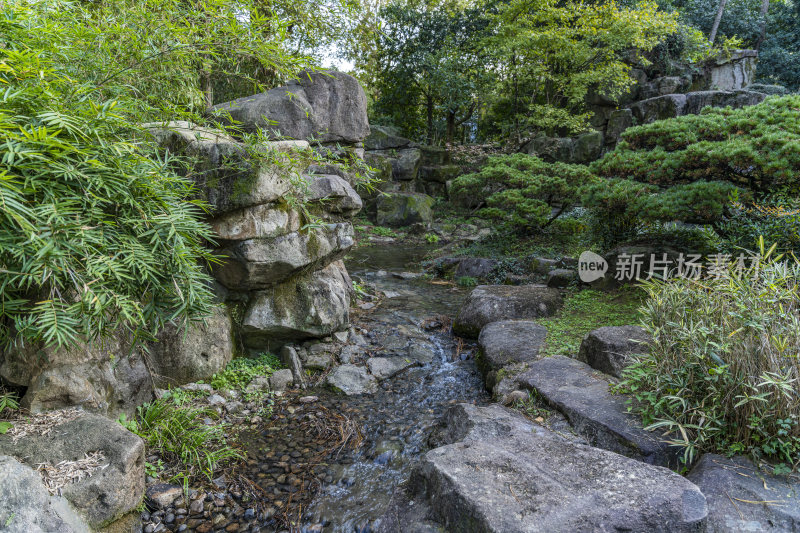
point(404, 209)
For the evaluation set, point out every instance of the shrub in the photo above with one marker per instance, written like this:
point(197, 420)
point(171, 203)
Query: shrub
point(95, 235)
point(757, 147)
point(722, 371)
point(770, 220)
point(239, 372)
point(523, 190)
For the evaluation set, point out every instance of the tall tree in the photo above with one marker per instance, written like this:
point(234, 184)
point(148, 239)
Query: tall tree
point(717, 19)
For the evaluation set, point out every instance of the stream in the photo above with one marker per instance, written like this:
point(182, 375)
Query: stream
point(396, 421)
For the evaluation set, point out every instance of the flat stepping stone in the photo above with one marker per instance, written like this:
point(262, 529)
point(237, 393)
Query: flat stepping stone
point(742, 498)
point(386, 367)
point(510, 341)
point(582, 395)
point(507, 475)
point(491, 303)
point(352, 380)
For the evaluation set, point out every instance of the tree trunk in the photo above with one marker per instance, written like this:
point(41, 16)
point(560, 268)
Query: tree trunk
point(762, 28)
point(429, 105)
point(451, 127)
point(717, 19)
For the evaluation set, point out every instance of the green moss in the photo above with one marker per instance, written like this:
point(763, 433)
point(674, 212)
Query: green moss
point(586, 310)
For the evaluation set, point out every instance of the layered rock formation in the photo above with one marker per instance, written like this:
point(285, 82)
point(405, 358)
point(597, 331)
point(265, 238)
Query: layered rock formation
point(720, 82)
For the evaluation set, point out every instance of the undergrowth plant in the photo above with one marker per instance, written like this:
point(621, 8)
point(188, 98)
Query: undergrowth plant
point(191, 439)
point(723, 372)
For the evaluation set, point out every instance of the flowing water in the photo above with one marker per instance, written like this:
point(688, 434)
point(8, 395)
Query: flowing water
point(397, 420)
point(354, 486)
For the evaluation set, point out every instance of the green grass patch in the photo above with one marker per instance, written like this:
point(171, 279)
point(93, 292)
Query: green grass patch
point(179, 434)
point(586, 310)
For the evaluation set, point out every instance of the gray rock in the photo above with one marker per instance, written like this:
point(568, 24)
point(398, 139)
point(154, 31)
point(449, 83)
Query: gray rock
point(27, 507)
point(475, 267)
point(349, 353)
point(659, 107)
point(439, 174)
point(110, 492)
point(334, 195)
point(583, 396)
point(491, 303)
point(606, 349)
point(162, 495)
point(420, 352)
point(352, 380)
point(743, 498)
point(733, 69)
point(768, 89)
point(202, 387)
point(404, 209)
point(619, 121)
point(696, 101)
point(405, 162)
point(224, 173)
point(552, 149)
point(257, 384)
point(260, 263)
point(291, 360)
point(107, 376)
point(319, 361)
point(510, 341)
point(183, 355)
point(216, 399)
point(281, 380)
point(507, 475)
point(588, 147)
point(329, 106)
point(386, 367)
point(264, 221)
point(561, 278)
point(541, 265)
point(384, 138)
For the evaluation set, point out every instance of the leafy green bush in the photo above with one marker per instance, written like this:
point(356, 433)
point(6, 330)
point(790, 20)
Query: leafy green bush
point(768, 220)
point(94, 234)
point(722, 371)
point(757, 147)
point(467, 282)
point(523, 190)
point(239, 372)
point(179, 434)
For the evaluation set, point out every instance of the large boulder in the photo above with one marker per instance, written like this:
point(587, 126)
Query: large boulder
point(552, 149)
point(404, 209)
point(197, 352)
point(26, 506)
point(743, 498)
point(385, 138)
point(732, 70)
point(108, 376)
point(405, 162)
point(326, 106)
point(659, 107)
point(510, 341)
point(334, 195)
point(588, 147)
point(225, 174)
point(696, 101)
point(507, 475)
point(114, 489)
point(606, 349)
point(257, 264)
point(310, 305)
point(264, 221)
point(619, 121)
point(492, 303)
point(583, 396)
